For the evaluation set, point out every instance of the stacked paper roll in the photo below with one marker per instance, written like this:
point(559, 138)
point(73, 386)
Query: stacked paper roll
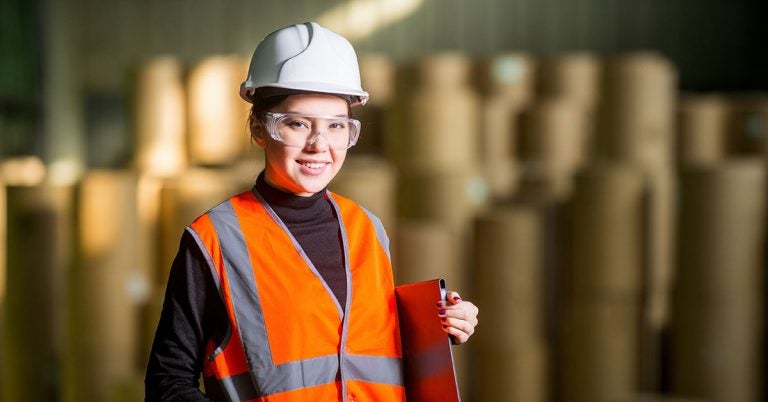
point(159, 120)
point(377, 73)
point(656, 398)
point(635, 124)
point(39, 250)
point(3, 274)
point(701, 130)
point(439, 118)
point(507, 83)
point(425, 250)
point(602, 285)
point(719, 314)
point(147, 251)
point(637, 109)
point(552, 146)
point(106, 288)
point(510, 359)
point(217, 116)
point(748, 125)
point(573, 76)
point(370, 181)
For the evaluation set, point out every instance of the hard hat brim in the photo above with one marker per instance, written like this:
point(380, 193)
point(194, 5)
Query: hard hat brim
point(356, 97)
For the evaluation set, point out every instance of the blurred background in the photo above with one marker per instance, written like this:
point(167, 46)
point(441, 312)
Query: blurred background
point(590, 173)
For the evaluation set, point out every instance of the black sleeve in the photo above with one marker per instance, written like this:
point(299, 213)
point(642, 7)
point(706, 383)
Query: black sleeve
point(193, 313)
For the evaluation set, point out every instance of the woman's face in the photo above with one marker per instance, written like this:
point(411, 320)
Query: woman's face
point(303, 171)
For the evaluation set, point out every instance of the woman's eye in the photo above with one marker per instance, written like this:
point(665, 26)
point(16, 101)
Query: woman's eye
point(336, 125)
point(298, 124)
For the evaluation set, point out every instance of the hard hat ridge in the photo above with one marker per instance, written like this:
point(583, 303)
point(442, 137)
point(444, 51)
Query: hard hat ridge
point(305, 58)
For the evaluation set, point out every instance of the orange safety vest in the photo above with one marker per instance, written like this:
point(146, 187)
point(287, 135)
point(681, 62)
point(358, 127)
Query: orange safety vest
point(289, 339)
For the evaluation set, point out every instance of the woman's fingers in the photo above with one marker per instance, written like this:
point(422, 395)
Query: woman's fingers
point(458, 317)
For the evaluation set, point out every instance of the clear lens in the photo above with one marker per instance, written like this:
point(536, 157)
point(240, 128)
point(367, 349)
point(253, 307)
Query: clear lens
point(299, 130)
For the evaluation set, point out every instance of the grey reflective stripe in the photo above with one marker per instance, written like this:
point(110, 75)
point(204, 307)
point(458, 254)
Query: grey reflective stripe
point(298, 248)
point(380, 232)
point(245, 299)
point(385, 370)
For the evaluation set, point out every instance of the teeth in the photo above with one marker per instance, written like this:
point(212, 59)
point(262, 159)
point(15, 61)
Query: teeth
point(313, 165)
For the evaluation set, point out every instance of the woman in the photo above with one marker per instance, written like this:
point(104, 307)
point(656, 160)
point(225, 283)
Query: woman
point(285, 292)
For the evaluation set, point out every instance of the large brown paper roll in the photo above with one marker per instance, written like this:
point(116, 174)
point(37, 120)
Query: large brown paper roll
point(159, 119)
point(217, 116)
point(106, 289)
point(508, 75)
point(599, 362)
point(39, 251)
point(606, 233)
point(425, 250)
point(377, 75)
point(552, 143)
point(573, 76)
point(701, 129)
point(655, 398)
point(637, 109)
point(370, 181)
point(450, 196)
point(602, 283)
point(719, 318)
point(748, 125)
point(510, 358)
point(439, 121)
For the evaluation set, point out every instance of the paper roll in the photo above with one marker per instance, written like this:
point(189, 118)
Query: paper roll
point(510, 76)
point(552, 143)
point(605, 233)
point(159, 120)
point(748, 125)
point(39, 251)
point(509, 273)
point(719, 294)
point(436, 125)
point(701, 130)
point(107, 287)
point(426, 250)
point(217, 116)
point(637, 109)
point(599, 361)
point(377, 75)
point(572, 76)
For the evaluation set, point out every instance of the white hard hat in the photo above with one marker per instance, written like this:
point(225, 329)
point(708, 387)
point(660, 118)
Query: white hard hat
point(305, 57)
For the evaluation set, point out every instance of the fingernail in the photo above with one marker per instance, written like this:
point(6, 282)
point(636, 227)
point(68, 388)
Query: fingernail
point(443, 318)
point(439, 304)
point(457, 298)
point(445, 326)
point(441, 312)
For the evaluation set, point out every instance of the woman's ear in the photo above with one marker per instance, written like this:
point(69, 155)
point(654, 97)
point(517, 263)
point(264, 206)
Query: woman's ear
point(257, 132)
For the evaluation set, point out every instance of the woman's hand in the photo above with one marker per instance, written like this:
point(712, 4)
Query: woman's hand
point(459, 317)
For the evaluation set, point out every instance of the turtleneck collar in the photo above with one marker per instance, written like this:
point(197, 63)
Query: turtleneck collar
point(292, 208)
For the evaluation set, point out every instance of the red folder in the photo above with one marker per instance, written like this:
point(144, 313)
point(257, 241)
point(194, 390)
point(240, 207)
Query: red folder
point(427, 357)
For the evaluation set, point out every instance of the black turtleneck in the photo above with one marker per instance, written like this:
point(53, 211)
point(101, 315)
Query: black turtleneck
point(193, 312)
point(312, 221)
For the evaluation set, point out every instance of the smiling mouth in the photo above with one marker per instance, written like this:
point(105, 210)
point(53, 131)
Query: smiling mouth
point(312, 165)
